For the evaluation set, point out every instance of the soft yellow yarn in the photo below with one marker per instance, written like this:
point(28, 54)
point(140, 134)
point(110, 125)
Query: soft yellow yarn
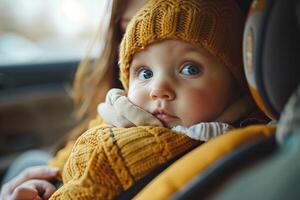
point(216, 25)
point(106, 160)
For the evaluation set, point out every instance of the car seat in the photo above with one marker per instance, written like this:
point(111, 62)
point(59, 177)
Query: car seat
point(271, 59)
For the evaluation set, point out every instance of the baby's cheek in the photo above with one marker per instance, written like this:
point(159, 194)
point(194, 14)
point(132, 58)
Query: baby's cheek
point(199, 106)
point(197, 97)
point(136, 97)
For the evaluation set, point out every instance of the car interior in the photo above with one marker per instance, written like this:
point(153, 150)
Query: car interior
point(35, 102)
point(35, 107)
point(37, 68)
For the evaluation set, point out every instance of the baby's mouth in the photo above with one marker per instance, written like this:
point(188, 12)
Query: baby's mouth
point(164, 117)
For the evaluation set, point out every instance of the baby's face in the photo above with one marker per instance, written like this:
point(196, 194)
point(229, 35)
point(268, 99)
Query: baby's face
point(179, 83)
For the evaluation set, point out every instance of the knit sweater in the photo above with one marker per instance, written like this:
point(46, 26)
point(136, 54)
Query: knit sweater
point(107, 160)
point(61, 157)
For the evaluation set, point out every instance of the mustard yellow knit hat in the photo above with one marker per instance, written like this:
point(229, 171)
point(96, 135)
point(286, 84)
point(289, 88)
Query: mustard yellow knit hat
point(216, 25)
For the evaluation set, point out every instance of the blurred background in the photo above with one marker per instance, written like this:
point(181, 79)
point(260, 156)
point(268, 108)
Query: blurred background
point(47, 30)
point(41, 45)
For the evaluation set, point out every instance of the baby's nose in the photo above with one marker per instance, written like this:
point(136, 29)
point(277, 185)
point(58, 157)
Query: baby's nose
point(162, 91)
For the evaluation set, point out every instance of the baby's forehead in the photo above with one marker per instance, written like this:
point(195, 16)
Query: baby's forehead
point(170, 46)
point(175, 43)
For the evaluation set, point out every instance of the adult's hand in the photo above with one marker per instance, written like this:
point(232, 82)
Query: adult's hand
point(31, 184)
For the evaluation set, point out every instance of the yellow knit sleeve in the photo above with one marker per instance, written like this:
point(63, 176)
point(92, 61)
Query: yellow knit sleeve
point(62, 155)
point(107, 160)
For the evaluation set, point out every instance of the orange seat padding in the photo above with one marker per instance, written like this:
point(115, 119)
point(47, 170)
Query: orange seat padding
point(197, 161)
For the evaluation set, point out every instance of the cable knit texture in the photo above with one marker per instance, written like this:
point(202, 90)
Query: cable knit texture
point(107, 160)
point(216, 25)
point(61, 157)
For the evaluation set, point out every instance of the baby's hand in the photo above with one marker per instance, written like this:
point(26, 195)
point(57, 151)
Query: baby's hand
point(120, 112)
point(31, 184)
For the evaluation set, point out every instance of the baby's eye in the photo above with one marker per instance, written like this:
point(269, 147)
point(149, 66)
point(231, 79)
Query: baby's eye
point(145, 74)
point(190, 70)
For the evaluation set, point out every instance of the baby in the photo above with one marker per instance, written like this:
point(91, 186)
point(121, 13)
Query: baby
point(180, 65)
point(184, 68)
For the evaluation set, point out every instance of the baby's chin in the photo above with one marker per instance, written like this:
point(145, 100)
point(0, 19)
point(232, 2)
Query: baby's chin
point(169, 124)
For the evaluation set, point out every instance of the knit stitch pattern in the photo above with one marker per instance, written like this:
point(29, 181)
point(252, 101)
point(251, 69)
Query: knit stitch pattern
point(216, 25)
point(107, 160)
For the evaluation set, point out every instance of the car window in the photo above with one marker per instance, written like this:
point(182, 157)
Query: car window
point(47, 30)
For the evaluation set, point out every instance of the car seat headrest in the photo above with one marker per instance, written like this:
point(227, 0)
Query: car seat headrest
point(271, 50)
